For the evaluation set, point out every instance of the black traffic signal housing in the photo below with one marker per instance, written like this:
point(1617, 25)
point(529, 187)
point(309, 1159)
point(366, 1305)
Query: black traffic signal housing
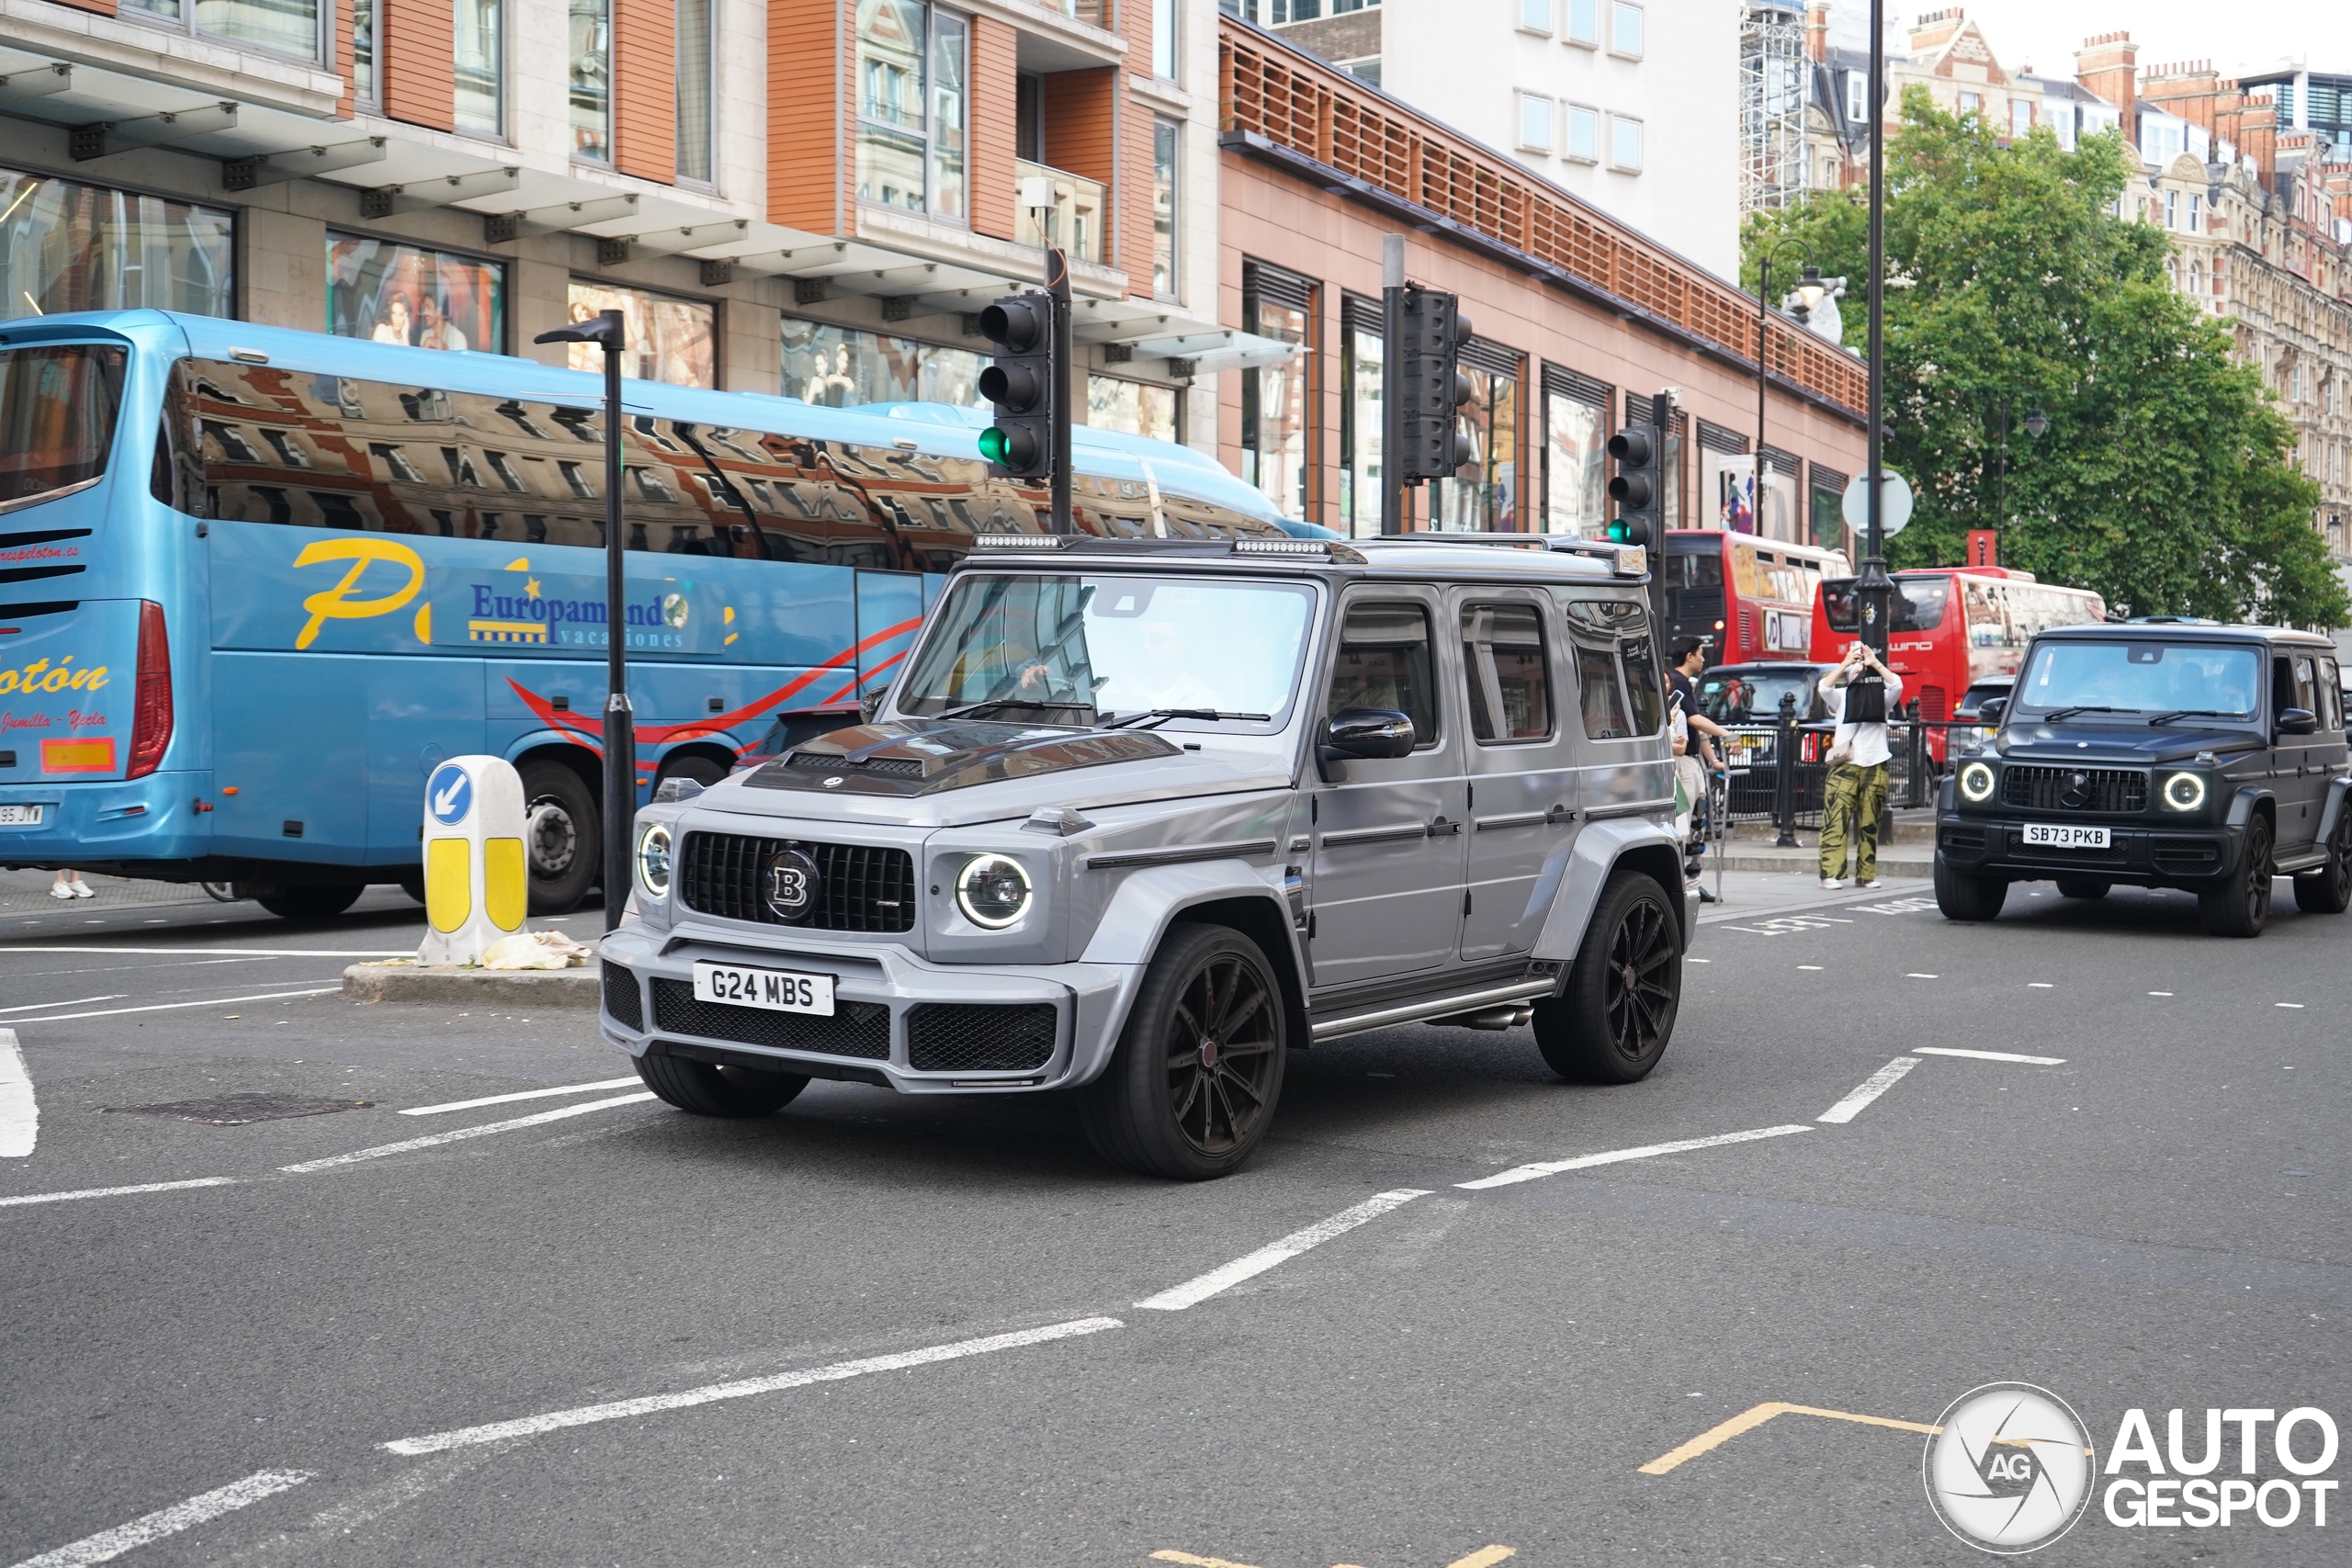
point(1025, 385)
point(1431, 386)
point(1636, 487)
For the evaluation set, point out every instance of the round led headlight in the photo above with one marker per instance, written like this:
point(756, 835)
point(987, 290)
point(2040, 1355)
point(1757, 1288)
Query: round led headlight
point(653, 859)
point(992, 891)
point(1976, 781)
point(2185, 792)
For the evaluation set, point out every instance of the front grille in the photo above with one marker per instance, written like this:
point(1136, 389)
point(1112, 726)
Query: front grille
point(2185, 857)
point(856, 1029)
point(2073, 789)
point(950, 1037)
point(621, 997)
point(860, 887)
point(889, 767)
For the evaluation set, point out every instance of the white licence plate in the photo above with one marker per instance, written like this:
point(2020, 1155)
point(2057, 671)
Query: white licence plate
point(19, 816)
point(779, 990)
point(2054, 836)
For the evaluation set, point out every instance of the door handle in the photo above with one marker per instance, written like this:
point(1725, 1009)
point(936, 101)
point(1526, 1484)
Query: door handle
point(1557, 815)
point(1438, 826)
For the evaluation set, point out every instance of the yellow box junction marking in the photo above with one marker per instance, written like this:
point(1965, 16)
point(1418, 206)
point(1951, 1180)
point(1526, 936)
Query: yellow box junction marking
point(1750, 1419)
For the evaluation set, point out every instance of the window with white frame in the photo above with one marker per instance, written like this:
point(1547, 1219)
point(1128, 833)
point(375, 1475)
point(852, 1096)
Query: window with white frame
point(2021, 116)
point(1971, 102)
point(1163, 40)
point(910, 107)
point(1535, 16)
point(1584, 23)
point(2195, 212)
point(1582, 144)
point(1626, 24)
point(1857, 96)
point(282, 27)
point(1624, 144)
point(480, 45)
point(1535, 122)
point(366, 27)
point(591, 80)
point(2172, 209)
point(695, 90)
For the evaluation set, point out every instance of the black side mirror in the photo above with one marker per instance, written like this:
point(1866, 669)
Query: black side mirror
point(1370, 734)
point(2298, 721)
point(1989, 711)
point(871, 703)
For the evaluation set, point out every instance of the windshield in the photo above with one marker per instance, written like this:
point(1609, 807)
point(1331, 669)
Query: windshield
point(1093, 649)
point(58, 403)
point(2141, 679)
point(1918, 603)
point(1751, 696)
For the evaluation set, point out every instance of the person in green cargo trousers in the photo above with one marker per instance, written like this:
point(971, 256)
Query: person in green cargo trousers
point(1853, 808)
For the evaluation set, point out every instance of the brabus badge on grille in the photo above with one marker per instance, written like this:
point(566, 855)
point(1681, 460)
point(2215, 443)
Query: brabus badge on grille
point(792, 884)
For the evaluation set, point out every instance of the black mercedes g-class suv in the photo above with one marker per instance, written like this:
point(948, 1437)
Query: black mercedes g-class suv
point(2158, 753)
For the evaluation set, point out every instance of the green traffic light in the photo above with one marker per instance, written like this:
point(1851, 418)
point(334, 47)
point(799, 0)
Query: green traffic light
point(1618, 529)
point(994, 444)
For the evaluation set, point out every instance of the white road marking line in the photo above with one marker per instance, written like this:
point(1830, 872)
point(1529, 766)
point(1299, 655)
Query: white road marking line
point(106, 1545)
point(523, 1094)
point(20, 1111)
point(2297, 1005)
point(248, 951)
point(1987, 1056)
point(531, 1426)
point(460, 1134)
point(1582, 1162)
point(2039, 986)
point(118, 1191)
point(166, 1007)
point(68, 1002)
point(1194, 1291)
point(1923, 976)
point(1870, 1089)
point(2159, 993)
point(1809, 966)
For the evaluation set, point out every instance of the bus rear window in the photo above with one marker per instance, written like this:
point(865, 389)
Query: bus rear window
point(58, 403)
point(1918, 603)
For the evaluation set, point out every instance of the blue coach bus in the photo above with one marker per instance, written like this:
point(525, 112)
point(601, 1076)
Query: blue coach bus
point(256, 583)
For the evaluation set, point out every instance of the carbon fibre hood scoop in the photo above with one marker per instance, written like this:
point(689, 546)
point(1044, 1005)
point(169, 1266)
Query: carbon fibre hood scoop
point(910, 758)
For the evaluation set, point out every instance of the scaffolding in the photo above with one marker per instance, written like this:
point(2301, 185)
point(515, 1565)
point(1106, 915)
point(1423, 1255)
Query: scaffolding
point(1772, 73)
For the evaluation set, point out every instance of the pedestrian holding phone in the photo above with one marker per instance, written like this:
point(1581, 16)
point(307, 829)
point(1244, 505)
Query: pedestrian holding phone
point(1860, 692)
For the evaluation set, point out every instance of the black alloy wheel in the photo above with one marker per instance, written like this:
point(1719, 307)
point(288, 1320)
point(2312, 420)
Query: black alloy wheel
point(1612, 1024)
point(1199, 1066)
point(2240, 903)
point(2328, 890)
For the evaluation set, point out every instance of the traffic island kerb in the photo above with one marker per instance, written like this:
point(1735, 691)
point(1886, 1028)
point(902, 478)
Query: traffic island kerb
point(471, 987)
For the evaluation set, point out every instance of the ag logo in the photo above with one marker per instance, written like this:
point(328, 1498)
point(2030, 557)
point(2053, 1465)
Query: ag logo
point(2009, 1469)
point(674, 611)
point(449, 795)
point(792, 884)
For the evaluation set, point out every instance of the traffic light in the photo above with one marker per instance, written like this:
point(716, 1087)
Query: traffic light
point(1431, 386)
point(1025, 385)
point(1635, 485)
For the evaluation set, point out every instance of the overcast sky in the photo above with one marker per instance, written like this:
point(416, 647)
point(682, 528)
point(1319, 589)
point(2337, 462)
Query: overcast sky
point(2044, 33)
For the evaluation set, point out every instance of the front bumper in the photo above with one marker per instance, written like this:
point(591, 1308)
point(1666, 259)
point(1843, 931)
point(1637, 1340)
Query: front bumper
point(2137, 854)
point(899, 1020)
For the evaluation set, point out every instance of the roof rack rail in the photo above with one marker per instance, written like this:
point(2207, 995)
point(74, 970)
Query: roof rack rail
point(1240, 545)
point(1624, 560)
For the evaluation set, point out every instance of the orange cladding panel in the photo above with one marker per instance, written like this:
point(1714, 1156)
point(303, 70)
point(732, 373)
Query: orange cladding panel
point(996, 114)
point(103, 7)
point(809, 98)
point(1082, 125)
point(645, 109)
point(418, 58)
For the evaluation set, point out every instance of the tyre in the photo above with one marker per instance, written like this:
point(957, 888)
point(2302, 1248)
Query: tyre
point(704, 770)
point(2328, 891)
point(1612, 1024)
point(311, 903)
point(2241, 905)
point(562, 836)
point(708, 1090)
point(1191, 1086)
point(220, 892)
point(2082, 888)
point(1963, 896)
point(413, 887)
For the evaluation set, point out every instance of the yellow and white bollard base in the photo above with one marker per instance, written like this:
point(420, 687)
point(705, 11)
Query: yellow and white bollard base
point(477, 885)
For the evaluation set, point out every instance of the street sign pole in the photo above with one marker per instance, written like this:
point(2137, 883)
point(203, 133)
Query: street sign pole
point(1875, 591)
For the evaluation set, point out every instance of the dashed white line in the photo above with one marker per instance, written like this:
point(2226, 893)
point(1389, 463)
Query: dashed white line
point(618, 1409)
point(116, 1191)
point(1582, 1162)
point(20, 1111)
point(2039, 986)
point(460, 1134)
point(2159, 993)
point(166, 1007)
point(1923, 976)
point(1987, 1056)
point(1870, 1089)
point(1193, 1291)
point(2297, 1005)
point(106, 1545)
point(523, 1094)
point(67, 1002)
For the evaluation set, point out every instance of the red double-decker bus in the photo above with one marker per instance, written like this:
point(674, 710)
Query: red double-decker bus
point(1748, 599)
point(1952, 628)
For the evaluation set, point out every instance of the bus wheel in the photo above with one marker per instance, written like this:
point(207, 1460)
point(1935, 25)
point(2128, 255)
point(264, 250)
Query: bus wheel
point(309, 901)
point(562, 836)
point(704, 770)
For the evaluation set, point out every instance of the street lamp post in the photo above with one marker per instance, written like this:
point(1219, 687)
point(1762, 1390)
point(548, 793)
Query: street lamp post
point(620, 724)
point(1874, 589)
point(1763, 361)
point(2035, 423)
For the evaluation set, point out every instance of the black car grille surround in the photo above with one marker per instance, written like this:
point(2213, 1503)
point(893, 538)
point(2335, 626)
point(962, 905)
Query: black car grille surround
point(820, 762)
point(860, 887)
point(856, 1029)
point(976, 1037)
point(2185, 857)
point(1965, 843)
point(2110, 790)
point(622, 999)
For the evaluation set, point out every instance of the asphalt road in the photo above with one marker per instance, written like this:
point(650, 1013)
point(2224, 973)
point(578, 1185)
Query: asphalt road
point(873, 1330)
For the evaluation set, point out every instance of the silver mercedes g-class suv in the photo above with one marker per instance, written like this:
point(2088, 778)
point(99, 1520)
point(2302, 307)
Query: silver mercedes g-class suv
point(1142, 816)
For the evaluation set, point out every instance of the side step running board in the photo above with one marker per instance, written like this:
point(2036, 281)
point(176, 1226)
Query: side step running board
point(1434, 1007)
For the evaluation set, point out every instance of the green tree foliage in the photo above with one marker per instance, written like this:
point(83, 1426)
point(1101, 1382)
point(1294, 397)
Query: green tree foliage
point(2163, 481)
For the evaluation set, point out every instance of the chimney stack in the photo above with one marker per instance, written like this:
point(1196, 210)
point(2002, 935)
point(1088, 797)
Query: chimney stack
point(2109, 65)
point(1935, 28)
point(1817, 32)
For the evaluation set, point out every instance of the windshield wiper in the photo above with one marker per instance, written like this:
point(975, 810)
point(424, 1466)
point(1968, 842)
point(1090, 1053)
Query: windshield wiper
point(970, 709)
point(2056, 714)
point(2194, 713)
point(1161, 716)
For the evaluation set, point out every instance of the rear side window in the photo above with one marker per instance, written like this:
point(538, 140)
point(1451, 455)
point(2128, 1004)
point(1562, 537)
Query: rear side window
point(2331, 693)
point(1384, 662)
point(1508, 684)
point(58, 403)
point(1602, 700)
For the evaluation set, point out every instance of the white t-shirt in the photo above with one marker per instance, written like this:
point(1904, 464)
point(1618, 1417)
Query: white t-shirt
point(1869, 740)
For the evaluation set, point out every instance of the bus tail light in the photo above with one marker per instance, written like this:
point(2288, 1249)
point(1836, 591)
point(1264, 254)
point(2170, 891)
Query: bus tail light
point(150, 710)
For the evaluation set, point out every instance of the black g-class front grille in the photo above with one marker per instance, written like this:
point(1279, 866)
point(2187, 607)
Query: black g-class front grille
point(2073, 789)
point(860, 887)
